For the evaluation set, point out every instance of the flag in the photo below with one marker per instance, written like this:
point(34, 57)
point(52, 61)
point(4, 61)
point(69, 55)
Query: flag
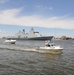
point(47, 41)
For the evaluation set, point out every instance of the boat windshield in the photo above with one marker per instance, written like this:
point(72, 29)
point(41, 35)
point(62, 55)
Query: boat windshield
point(50, 44)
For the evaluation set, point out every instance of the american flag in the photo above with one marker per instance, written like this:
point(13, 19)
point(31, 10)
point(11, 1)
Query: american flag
point(47, 41)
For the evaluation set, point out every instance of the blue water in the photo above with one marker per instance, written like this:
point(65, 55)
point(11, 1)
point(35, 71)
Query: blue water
point(17, 62)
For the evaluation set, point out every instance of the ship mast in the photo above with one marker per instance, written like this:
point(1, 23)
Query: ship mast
point(24, 31)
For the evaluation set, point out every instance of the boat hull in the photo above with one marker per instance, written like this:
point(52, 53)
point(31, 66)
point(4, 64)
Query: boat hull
point(34, 38)
point(49, 50)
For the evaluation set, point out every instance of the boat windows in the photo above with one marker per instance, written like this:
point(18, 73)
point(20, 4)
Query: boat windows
point(48, 45)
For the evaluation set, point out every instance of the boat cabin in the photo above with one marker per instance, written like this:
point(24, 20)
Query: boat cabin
point(50, 44)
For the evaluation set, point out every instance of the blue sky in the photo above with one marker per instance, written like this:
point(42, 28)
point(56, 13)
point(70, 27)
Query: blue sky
point(46, 16)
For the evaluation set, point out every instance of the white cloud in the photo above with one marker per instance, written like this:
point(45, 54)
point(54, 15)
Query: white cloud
point(44, 8)
point(51, 8)
point(3, 1)
point(10, 17)
point(38, 6)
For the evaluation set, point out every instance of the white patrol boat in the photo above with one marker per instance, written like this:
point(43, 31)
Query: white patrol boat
point(10, 41)
point(50, 48)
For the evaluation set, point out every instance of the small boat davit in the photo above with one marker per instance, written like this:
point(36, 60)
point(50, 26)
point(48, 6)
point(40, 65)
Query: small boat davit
point(50, 48)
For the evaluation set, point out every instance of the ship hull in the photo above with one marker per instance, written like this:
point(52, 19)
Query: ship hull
point(34, 38)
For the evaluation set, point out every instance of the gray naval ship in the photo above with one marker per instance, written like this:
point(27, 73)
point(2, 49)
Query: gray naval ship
point(32, 35)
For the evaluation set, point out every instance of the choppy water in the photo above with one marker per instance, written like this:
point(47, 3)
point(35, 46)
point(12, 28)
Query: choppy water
point(16, 62)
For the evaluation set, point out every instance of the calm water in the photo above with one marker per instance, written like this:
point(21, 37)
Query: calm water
point(16, 62)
